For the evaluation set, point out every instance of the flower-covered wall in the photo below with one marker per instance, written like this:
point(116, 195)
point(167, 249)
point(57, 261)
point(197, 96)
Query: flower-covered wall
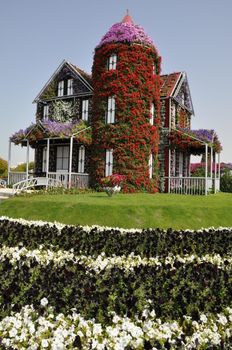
point(135, 85)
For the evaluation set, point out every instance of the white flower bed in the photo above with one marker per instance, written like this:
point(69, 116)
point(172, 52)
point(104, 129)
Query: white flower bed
point(59, 258)
point(86, 228)
point(29, 330)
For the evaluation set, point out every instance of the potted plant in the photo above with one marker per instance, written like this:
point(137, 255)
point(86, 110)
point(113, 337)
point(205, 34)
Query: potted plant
point(112, 184)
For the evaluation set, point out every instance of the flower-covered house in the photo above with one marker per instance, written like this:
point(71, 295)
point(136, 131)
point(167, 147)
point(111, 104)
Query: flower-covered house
point(125, 118)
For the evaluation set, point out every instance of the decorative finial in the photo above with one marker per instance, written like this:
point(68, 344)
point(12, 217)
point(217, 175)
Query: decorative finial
point(127, 18)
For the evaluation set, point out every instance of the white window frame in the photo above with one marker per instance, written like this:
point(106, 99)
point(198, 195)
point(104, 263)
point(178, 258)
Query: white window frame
point(63, 157)
point(70, 87)
point(109, 162)
point(152, 111)
point(173, 115)
point(150, 166)
point(85, 110)
point(110, 117)
point(81, 159)
point(61, 88)
point(112, 62)
point(45, 112)
point(44, 160)
point(183, 98)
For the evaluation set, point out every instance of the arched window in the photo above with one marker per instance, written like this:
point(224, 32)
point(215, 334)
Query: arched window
point(70, 87)
point(109, 162)
point(150, 166)
point(110, 117)
point(112, 61)
point(152, 112)
point(81, 159)
point(61, 88)
point(85, 110)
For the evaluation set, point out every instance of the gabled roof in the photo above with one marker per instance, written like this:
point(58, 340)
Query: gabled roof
point(168, 84)
point(171, 87)
point(83, 76)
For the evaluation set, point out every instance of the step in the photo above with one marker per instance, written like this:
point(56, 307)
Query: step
point(6, 192)
point(3, 197)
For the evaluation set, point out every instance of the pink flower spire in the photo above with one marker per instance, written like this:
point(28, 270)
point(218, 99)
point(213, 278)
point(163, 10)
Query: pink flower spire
point(126, 32)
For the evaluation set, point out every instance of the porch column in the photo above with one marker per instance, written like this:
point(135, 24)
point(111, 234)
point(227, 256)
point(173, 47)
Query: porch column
point(206, 169)
point(47, 162)
point(9, 162)
point(70, 162)
point(219, 170)
point(211, 163)
point(27, 160)
point(169, 169)
point(215, 172)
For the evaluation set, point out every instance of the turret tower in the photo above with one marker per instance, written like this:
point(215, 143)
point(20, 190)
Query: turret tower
point(126, 106)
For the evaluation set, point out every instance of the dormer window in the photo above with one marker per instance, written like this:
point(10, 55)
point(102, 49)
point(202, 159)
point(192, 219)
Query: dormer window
point(152, 112)
point(85, 110)
point(45, 112)
point(110, 118)
point(61, 88)
point(182, 98)
point(112, 62)
point(70, 87)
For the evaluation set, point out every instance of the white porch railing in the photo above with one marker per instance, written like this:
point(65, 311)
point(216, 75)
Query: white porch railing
point(15, 177)
point(189, 185)
point(78, 180)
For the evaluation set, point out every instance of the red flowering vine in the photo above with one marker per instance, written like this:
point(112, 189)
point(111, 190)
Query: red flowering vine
point(135, 86)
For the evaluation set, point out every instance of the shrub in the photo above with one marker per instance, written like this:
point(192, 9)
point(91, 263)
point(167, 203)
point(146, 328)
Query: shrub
point(226, 181)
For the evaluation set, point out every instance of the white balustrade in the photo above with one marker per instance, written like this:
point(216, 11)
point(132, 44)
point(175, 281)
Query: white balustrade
point(189, 185)
point(78, 180)
point(16, 176)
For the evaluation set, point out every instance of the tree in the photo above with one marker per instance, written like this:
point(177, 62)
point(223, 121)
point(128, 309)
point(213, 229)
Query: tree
point(3, 167)
point(22, 167)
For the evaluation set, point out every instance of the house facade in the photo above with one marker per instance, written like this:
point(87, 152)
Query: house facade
point(125, 118)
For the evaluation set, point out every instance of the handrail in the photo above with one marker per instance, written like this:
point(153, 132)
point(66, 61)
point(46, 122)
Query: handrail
point(35, 181)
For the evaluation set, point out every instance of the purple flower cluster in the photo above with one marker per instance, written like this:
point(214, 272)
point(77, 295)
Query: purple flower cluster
point(53, 128)
point(126, 32)
point(49, 128)
point(205, 135)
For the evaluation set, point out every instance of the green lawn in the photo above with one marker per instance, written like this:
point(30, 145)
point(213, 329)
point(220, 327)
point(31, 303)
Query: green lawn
point(125, 210)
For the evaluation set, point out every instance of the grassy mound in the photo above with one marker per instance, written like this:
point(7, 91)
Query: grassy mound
point(133, 210)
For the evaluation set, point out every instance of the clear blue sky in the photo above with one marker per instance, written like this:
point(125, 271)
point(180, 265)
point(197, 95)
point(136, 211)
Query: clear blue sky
point(192, 36)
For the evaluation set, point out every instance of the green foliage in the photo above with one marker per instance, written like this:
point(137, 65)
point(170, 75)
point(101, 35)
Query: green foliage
point(3, 167)
point(226, 182)
point(22, 167)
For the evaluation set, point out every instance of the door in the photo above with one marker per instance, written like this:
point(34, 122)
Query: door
point(62, 164)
